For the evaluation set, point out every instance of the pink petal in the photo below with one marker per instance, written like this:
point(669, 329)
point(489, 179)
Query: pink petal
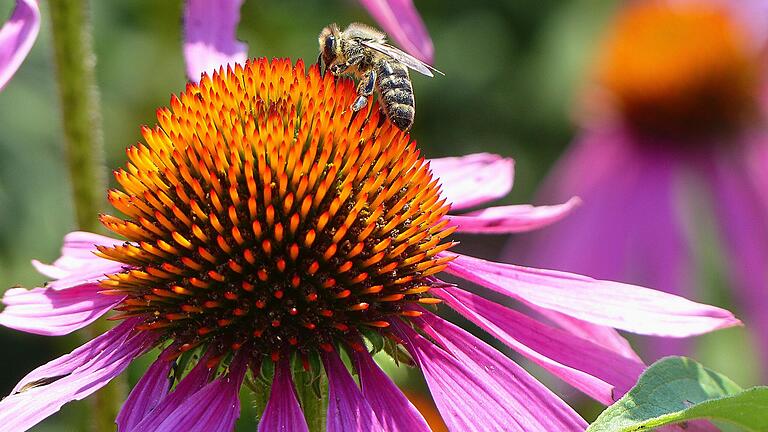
point(476, 388)
point(401, 21)
point(17, 36)
point(631, 226)
point(283, 412)
point(147, 394)
point(348, 411)
point(210, 36)
point(49, 312)
point(195, 380)
point(622, 306)
point(743, 221)
point(72, 377)
point(395, 412)
point(598, 372)
point(214, 408)
point(607, 337)
point(511, 219)
point(78, 264)
point(474, 179)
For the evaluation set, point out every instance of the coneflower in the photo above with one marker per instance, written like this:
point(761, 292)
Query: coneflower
point(265, 226)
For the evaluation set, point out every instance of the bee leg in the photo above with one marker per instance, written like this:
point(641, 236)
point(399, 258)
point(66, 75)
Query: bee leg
point(364, 90)
point(340, 68)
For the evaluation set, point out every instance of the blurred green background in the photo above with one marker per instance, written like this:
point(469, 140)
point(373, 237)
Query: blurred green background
point(513, 70)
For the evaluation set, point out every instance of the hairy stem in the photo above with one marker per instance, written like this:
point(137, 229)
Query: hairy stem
point(81, 117)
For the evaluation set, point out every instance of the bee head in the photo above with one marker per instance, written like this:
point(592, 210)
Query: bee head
point(329, 44)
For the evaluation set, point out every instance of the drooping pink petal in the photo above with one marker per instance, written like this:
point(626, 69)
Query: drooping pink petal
point(17, 36)
point(742, 221)
point(214, 408)
point(632, 224)
point(147, 393)
point(283, 412)
point(473, 179)
point(210, 36)
point(78, 264)
point(511, 219)
point(607, 337)
point(598, 372)
point(622, 306)
point(478, 389)
point(395, 412)
point(348, 411)
point(49, 312)
point(190, 385)
point(401, 21)
point(72, 377)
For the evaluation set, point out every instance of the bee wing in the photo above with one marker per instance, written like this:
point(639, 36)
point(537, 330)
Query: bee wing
point(402, 57)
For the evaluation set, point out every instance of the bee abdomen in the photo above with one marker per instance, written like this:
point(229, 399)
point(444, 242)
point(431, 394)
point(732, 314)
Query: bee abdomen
point(396, 92)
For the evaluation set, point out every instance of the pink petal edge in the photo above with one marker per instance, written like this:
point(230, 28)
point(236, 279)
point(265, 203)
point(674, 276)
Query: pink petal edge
point(511, 219)
point(72, 377)
point(147, 393)
point(401, 21)
point(49, 312)
point(474, 179)
point(614, 304)
point(283, 412)
point(210, 41)
point(78, 264)
point(17, 36)
point(478, 389)
point(348, 410)
point(393, 409)
point(600, 373)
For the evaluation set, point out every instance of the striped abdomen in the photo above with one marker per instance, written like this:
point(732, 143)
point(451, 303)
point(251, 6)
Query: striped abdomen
point(395, 91)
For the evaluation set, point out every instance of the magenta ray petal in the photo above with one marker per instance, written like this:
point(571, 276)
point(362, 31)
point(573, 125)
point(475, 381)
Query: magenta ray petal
point(72, 377)
point(598, 372)
point(742, 224)
point(78, 264)
point(283, 412)
point(210, 41)
point(214, 408)
point(622, 306)
point(393, 409)
point(147, 393)
point(473, 179)
point(17, 36)
point(477, 388)
point(48, 312)
point(607, 337)
point(511, 219)
point(401, 21)
point(195, 380)
point(348, 411)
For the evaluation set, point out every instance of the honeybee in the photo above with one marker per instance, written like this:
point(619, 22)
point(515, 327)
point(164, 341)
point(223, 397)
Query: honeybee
point(363, 51)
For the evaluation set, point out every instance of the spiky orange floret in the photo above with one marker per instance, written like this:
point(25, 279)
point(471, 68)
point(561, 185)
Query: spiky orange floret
point(681, 68)
point(263, 213)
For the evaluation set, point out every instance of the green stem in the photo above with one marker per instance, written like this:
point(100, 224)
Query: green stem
point(312, 390)
point(81, 116)
point(75, 63)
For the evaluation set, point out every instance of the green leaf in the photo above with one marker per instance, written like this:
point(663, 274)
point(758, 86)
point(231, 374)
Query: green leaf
point(678, 389)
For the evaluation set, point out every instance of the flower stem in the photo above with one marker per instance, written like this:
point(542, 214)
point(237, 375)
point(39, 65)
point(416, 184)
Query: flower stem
point(312, 390)
point(81, 116)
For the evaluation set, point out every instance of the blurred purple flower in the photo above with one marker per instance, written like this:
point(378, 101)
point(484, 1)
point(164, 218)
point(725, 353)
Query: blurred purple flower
point(681, 86)
point(17, 36)
point(202, 270)
point(210, 27)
